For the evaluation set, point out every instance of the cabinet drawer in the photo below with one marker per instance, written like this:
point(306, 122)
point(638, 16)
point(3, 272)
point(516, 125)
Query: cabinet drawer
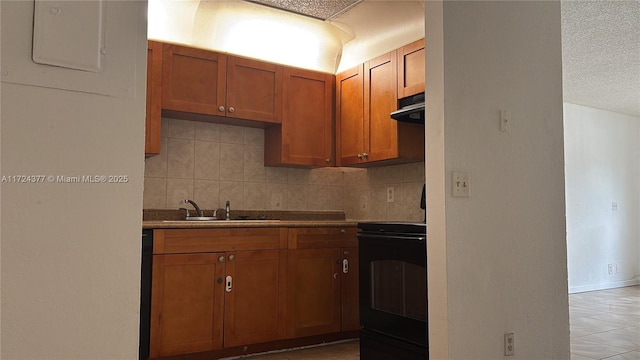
point(307, 238)
point(176, 241)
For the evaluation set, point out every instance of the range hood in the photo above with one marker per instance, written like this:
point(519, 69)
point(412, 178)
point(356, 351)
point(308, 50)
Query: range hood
point(411, 110)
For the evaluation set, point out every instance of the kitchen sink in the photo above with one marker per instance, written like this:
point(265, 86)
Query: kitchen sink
point(212, 219)
point(201, 218)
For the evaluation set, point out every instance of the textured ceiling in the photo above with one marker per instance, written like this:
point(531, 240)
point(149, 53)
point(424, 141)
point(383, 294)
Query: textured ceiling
point(319, 9)
point(601, 54)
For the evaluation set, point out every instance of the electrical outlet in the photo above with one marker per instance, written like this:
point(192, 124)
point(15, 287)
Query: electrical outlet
point(460, 184)
point(610, 269)
point(277, 200)
point(390, 194)
point(505, 121)
point(363, 203)
point(509, 344)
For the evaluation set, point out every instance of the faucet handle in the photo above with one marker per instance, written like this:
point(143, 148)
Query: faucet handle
point(185, 209)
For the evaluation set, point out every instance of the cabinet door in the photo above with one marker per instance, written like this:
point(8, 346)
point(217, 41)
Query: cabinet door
point(193, 80)
point(350, 117)
point(187, 297)
point(255, 305)
point(381, 131)
point(350, 290)
point(154, 96)
point(306, 135)
point(314, 292)
point(254, 90)
point(411, 69)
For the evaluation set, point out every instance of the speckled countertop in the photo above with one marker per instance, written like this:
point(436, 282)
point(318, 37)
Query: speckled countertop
point(182, 224)
point(174, 219)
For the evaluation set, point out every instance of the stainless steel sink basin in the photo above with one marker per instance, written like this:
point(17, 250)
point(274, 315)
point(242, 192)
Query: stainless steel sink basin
point(201, 218)
point(212, 219)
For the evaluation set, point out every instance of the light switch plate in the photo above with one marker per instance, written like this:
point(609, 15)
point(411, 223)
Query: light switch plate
point(460, 184)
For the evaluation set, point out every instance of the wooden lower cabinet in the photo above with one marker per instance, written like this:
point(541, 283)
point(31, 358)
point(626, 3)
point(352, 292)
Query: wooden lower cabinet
point(213, 293)
point(314, 292)
point(322, 286)
point(187, 303)
point(350, 291)
point(208, 301)
point(254, 309)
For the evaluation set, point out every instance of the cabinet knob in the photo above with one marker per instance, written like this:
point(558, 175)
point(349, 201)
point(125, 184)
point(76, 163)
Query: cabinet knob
point(221, 108)
point(219, 280)
point(366, 156)
point(221, 259)
point(231, 109)
point(346, 253)
point(343, 231)
point(328, 160)
point(231, 257)
point(359, 156)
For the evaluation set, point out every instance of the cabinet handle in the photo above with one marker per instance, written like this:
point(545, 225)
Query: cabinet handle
point(335, 275)
point(366, 156)
point(359, 156)
point(221, 108)
point(231, 257)
point(345, 266)
point(221, 259)
point(231, 109)
point(229, 284)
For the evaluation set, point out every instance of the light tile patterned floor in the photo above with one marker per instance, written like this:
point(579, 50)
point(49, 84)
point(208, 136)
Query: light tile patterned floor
point(605, 324)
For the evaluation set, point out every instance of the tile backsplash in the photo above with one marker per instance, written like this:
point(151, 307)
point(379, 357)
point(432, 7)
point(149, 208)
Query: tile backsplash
point(212, 163)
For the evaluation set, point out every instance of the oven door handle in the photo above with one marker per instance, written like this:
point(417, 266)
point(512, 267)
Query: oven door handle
point(392, 237)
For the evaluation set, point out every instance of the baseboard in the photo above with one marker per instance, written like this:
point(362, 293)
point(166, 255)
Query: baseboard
point(604, 286)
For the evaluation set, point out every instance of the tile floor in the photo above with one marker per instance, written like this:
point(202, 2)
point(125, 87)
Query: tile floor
point(605, 324)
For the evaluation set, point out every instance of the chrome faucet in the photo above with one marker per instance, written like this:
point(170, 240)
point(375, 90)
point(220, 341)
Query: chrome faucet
point(198, 211)
point(227, 209)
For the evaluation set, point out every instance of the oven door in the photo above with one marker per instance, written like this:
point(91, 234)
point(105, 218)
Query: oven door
point(393, 285)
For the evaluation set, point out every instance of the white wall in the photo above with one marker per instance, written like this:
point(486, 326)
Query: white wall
point(71, 251)
point(504, 246)
point(602, 149)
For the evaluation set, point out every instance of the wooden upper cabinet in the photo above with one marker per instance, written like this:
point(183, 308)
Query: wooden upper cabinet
point(254, 90)
point(411, 65)
point(350, 116)
point(306, 135)
point(193, 80)
point(154, 98)
point(380, 99)
point(203, 82)
point(366, 134)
